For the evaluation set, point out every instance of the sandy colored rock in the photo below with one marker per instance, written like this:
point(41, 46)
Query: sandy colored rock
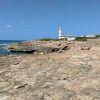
point(71, 75)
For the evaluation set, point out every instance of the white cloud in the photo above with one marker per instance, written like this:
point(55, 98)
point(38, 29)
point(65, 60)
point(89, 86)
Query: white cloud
point(8, 26)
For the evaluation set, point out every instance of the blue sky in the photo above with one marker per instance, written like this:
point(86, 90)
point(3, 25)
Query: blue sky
point(33, 19)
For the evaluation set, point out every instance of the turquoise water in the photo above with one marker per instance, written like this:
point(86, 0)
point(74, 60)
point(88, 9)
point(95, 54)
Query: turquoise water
point(4, 45)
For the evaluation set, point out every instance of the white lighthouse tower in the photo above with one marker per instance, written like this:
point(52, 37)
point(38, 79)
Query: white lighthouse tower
point(60, 32)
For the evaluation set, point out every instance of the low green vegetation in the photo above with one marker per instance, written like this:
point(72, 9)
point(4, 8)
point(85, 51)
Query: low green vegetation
point(81, 38)
point(49, 39)
point(97, 36)
point(46, 39)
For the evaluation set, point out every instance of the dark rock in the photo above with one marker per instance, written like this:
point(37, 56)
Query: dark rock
point(21, 86)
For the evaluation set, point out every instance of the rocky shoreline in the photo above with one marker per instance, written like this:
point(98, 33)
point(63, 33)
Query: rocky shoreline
point(40, 46)
point(71, 75)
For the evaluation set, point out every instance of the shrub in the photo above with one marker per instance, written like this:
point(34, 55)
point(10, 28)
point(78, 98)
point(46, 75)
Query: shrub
point(46, 39)
point(81, 38)
point(49, 39)
point(97, 36)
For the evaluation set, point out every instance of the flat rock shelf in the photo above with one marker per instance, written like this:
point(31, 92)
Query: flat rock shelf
point(38, 46)
point(70, 75)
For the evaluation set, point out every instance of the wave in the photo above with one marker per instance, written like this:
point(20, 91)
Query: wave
point(5, 43)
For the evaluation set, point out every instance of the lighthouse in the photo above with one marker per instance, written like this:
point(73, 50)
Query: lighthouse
point(62, 36)
point(60, 32)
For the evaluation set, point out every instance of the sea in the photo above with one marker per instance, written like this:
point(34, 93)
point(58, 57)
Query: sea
point(4, 46)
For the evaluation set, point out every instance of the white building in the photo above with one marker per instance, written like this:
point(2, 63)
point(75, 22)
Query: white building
point(60, 33)
point(91, 36)
point(62, 36)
